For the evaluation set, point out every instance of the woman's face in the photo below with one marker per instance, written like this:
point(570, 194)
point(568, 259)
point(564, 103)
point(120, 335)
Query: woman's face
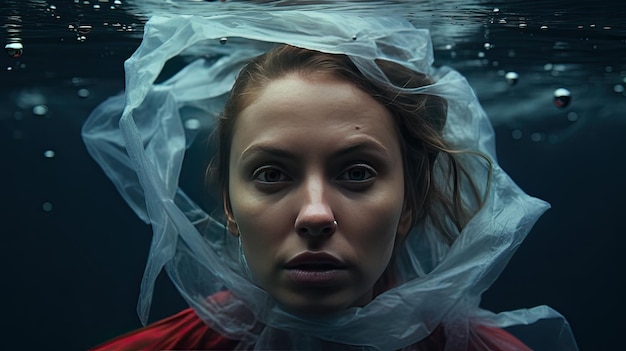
point(308, 151)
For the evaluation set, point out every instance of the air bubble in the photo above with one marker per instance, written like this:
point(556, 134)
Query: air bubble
point(536, 137)
point(517, 134)
point(223, 40)
point(192, 124)
point(511, 78)
point(523, 25)
point(618, 88)
point(84, 29)
point(46, 206)
point(81, 38)
point(117, 2)
point(96, 7)
point(572, 116)
point(496, 10)
point(354, 37)
point(14, 50)
point(40, 110)
point(488, 46)
point(83, 93)
point(548, 67)
point(562, 97)
point(48, 154)
point(543, 27)
point(481, 54)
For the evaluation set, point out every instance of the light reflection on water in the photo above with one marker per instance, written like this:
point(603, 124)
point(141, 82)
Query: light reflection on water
point(569, 44)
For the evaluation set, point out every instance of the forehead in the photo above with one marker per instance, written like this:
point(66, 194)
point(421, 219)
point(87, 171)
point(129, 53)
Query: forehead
point(314, 104)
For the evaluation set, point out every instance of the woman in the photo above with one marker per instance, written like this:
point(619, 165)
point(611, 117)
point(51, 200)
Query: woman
point(363, 203)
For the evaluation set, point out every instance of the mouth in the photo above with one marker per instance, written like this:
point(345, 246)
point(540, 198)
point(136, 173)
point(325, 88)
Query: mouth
point(315, 261)
point(315, 270)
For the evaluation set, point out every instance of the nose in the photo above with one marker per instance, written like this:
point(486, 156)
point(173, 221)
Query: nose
point(316, 217)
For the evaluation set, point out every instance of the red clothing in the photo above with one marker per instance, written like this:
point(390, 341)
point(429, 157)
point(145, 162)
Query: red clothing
point(182, 331)
point(186, 331)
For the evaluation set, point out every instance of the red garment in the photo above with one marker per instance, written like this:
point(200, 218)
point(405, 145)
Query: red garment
point(186, 331)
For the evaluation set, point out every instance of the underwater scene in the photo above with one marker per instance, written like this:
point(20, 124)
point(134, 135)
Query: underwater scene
point(551, 76)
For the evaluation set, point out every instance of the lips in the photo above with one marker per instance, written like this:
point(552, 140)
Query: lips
point(315, 261)
point(316, 270)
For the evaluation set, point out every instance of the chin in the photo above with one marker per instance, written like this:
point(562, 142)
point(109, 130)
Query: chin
point(317, 305)
point(313, 309)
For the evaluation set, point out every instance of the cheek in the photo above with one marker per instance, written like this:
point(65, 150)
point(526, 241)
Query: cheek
point(377, 232)
point(261, 225)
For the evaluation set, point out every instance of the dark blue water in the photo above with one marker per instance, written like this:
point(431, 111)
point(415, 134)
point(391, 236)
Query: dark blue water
point(72, 252)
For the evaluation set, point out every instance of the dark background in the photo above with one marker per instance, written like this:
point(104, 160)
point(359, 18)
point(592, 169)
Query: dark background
point(72, 252)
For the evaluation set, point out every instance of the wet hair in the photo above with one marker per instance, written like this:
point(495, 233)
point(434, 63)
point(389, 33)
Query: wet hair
point(419, 121)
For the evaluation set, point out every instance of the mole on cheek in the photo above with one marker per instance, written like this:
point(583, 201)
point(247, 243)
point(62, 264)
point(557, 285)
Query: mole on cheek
point(357, 128)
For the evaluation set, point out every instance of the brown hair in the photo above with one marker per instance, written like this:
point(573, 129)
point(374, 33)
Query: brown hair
point(419, 119)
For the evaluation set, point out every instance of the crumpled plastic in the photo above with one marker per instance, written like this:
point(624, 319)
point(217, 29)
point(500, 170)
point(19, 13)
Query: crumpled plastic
point(140, 138)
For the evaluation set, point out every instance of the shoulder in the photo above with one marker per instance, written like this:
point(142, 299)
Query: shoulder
point(182, 331)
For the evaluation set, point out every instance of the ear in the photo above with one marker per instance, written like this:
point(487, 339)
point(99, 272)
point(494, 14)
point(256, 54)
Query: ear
point(231, 224)
point(404, 225)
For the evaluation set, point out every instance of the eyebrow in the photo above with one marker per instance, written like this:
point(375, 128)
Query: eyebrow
point(265, 149)
point(361, 145)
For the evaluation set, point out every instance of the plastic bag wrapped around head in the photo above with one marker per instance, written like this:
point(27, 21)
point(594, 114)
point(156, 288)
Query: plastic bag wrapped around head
point(439, 280)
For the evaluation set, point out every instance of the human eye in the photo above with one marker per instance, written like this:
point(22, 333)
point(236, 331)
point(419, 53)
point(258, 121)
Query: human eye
point(269, 175)
point(358, 173)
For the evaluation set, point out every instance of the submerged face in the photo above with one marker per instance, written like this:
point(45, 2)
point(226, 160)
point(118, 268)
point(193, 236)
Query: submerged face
point(308, 151)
